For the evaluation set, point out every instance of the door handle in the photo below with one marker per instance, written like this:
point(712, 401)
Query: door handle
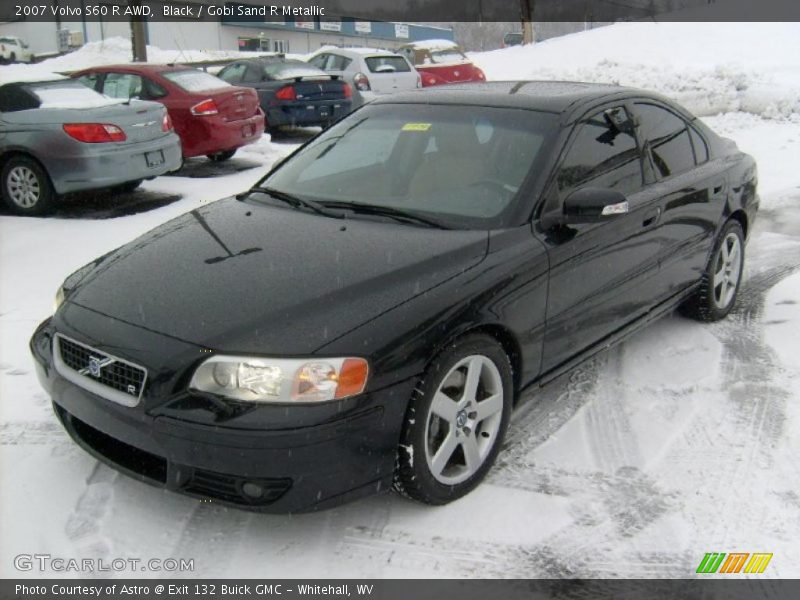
point(651, 218)
point(719, 187)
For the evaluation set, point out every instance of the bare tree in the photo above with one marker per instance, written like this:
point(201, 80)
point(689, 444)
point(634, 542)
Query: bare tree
point(138, 38)
point(526, 15)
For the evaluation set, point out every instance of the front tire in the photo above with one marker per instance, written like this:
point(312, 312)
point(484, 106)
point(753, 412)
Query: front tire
point(719, 286)
point(455, 422)
point(26, 187)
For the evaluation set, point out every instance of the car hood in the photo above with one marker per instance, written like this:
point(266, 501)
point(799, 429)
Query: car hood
point(240, 277)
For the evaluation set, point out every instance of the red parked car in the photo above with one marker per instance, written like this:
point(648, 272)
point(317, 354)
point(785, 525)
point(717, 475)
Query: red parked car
point(212, 117)
point(440, 62)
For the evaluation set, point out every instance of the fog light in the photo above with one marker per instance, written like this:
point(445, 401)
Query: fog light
point(252, 490)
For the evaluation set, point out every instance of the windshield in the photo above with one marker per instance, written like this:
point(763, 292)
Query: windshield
point(192, 80)
point(460, 165)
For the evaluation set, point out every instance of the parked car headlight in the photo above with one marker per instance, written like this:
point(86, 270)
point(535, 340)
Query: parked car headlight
point(59, 298)
point(254, 379)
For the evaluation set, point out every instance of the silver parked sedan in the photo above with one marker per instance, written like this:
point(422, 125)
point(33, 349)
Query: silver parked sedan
point(371, 72)
point(59, 136)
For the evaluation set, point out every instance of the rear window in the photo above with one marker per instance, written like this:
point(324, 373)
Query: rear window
point(68, 94)
point(192, 80)
point(387, 64)
point(448, 56)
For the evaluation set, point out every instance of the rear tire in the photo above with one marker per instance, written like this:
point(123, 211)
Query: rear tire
point(221, 156)
point(26, 187)
point(719, 286)
point(129, 187)
point(455, 421)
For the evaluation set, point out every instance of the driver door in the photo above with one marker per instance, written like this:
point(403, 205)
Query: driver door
point(601, 274)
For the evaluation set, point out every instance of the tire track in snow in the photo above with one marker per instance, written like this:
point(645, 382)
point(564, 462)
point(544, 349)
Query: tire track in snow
point(84, 525)
point(211, 534)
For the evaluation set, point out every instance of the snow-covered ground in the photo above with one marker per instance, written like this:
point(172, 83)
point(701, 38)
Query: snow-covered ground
point(683, 440)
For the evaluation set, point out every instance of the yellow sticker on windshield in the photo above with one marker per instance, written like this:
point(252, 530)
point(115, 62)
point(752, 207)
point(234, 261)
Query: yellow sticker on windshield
point(416, 126)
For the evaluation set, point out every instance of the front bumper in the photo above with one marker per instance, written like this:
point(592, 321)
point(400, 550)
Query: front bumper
point(105, 165)
point(307, 464)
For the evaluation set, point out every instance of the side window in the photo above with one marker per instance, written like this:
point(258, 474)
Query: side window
point(700, 146)
point(319, 61)
point(254, 74)
point(122, 85)
point(337, 63)
point(601, 156)
point(233, 73)
point(153, 90)
point(90, 80)
point(14, 97)
point(668, 136)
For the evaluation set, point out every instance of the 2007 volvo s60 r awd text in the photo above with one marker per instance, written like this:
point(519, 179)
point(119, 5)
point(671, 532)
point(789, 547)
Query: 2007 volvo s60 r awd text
point(368, 314)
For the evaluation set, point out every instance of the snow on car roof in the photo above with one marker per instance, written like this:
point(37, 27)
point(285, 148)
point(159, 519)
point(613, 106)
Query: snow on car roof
point(433, 45)
point(26, 74)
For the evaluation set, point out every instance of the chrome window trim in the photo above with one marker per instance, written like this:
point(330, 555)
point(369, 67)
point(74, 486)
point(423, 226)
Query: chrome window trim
point(90, 384)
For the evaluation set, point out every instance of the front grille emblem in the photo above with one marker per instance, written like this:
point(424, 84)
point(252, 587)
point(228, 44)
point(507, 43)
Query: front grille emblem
point(94, 366)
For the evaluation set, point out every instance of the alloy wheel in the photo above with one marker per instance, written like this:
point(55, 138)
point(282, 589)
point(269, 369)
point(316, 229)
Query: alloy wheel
point(727, 269)
point(23, 186)
point(464, 419)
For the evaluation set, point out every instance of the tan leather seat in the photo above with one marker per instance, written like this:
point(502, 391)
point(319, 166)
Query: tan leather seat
point(457, 162)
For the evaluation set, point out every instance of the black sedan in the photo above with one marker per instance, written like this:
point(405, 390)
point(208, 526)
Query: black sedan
point(368, 315)
point(292, 92)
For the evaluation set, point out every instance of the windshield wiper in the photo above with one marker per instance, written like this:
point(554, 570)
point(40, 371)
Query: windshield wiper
point(294, 201)
point(386, 211)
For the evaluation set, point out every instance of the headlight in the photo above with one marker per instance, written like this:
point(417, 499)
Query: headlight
point(254, 379)
point(59, 298)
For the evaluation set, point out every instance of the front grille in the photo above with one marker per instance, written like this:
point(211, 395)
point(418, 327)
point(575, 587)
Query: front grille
point(99, 372)
point(227, 488)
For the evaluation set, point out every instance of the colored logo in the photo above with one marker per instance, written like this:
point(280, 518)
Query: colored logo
point(734, 562)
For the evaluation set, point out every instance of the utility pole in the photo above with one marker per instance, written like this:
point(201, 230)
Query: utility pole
point(138, 38)
point(526, 15)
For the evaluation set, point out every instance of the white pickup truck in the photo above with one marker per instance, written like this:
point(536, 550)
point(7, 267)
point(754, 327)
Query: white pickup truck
point(13, 49)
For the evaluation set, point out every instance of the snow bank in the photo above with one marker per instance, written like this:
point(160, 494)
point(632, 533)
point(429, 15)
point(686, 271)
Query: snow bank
point(117, 50)
point(709, 68)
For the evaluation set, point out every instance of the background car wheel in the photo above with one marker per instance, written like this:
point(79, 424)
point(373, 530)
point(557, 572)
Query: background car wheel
point(130, 186)
point(723, 275)
point(221, 156)
point(455, 421)
point(26, 187)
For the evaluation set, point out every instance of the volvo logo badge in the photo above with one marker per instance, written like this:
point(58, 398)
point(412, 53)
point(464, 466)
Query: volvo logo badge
point(94, 366)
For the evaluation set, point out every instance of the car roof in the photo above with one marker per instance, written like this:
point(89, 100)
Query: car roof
point(549, 96)
point(139, 67)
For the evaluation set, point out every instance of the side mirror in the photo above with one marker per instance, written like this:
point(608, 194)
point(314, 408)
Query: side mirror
point(592, 205)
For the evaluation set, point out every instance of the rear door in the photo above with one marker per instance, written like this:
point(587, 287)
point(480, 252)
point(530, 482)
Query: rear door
point(600, 273)
point(693, 189)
